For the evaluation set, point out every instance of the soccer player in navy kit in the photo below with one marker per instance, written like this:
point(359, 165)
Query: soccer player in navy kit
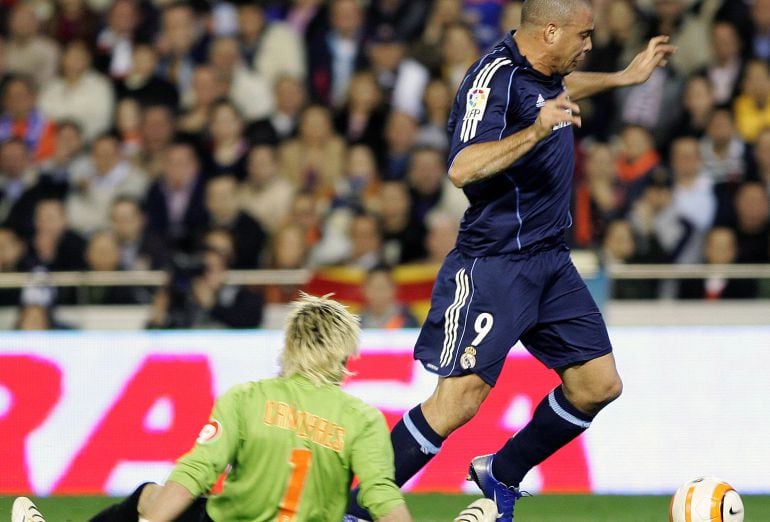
point(510, 276)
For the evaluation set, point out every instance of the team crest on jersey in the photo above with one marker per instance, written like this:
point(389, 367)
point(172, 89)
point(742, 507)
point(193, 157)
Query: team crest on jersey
point(477, 103)
point(210, 432)
point(468, 358)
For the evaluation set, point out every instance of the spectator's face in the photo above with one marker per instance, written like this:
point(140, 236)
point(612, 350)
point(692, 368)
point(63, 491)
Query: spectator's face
point(668, 9)
point(144, 62)
point(75, 61)
point(636, 141)
point(225, 55)
point(206, 88)
point(226, 124)
point(619, 241)
point(262, 165)
point(304, 211)
point(441, 237)
point(251, 20)
point(720, 129)
point(752, 207)
point(600, 164)
point(760, 14)
point(437, 96)
point(19, 99)
point(395, 201)
point(364, 91)
point(621, 19)
point(365, 236)
point(123, 17)
point(511, 18)
point(316, 125)
point(346, 17)
point(289, 248)
point(379, 291)
point(157, 125)
point(220, 242)
point(103, 253)
point(221, 200)
point(685, 160)
point(725, 42)
point(127, 222)
point(400, 132)
point(181, 167)
point(34, 318)
point(11, 250)
point(698, 96)
point(458, 46)
point(426, 171)
point(721, 246)
point(128, 116)
point(69, 141)
point(105, 154)
point(14, 160)
point(387, 55)
point(289, 95)
point(361, 164)
point(756, 80)
point(23, 22)
point(50, 218)
point(178, 31)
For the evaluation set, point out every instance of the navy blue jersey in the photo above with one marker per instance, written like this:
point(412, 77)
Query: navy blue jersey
point(528, 202)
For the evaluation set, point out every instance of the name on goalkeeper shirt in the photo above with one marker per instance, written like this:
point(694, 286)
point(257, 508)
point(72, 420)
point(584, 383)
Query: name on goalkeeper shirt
point(306, 425)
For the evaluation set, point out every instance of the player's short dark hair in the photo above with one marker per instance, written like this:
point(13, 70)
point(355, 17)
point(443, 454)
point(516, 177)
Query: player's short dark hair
point(536, 13)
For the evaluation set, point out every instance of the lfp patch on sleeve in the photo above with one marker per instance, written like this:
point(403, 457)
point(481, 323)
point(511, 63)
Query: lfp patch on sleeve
point(210, 432)
point(476, 104)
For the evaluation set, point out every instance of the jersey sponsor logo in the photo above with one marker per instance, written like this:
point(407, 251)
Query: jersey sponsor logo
point(540, 101)
point(476, 104)
point(210, 432)
point(474, 114)
point(306, 425)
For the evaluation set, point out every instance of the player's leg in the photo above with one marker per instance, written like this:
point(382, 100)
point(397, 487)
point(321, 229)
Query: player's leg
point(125, 511)
point(24, 510)
point(480, 510)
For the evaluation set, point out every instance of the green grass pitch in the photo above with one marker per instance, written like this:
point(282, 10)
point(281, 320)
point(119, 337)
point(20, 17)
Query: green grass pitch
point(442, 508)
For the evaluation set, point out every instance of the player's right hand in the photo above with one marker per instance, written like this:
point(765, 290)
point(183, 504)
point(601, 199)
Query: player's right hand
point(557, 111)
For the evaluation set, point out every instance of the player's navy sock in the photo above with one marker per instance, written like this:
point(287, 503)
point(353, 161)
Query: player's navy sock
point(125, 511)
point(555, 422)
point(415, 443)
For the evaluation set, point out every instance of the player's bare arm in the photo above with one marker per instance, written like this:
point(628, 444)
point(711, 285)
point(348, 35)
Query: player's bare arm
point(584, 84)
point(164, 503)
point(480, 161)
point(398, 514)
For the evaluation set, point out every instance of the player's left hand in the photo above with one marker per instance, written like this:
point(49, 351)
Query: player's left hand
point(655, 55)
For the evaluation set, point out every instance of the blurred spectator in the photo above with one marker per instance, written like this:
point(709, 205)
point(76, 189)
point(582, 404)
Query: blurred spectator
point(725, 70)
point(13, 258)
point(221, 241)
point(128, 128)
point(72, 20)
point(205, 89)
point(223, 212)
point(440, 238)
point(511, 16)
point(430, 187)
point(288, 251)
point(305, 211)
point(265, 194)
point(362, 118)
point(484, 16)
point(720, 249)
point(272, 48)
point(17, 175)
point(35, 318)
point(307, 17)
point(458, 52)
point(20, 119)
point(443, 13)
point(199, 296)
point(174, 204)
point(227, 148)
point(752, 106)
point(114, 43)
point(619, 247)
point(759, 31)
point(437, 102)
point(290, 98)
point(698, 104)
point(314, 160)
point(359, 186)
point(80, 93)
point(103, 255)
point(403, 235)
point(599, 197)
point(181, 44)
point(333, 55)
point(401, 137)
point(106, 177)
point(381, 308)
point(28, 52)
point(635, 163)
point(365, 235)
point(143, 84)
point(249, 90)
point(402, 18)
point(54, 245)
point(688, 29)
point(760, 159)
point(157, 130)
point(752, 223)
point(140, 249)
point(386, 51)
point(69, 152)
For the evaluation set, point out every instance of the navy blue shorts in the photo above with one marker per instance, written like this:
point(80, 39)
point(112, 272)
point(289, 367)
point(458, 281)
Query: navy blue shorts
point(481, 306)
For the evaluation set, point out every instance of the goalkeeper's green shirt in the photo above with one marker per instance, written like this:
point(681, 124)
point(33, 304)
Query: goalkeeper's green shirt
point(292, 449)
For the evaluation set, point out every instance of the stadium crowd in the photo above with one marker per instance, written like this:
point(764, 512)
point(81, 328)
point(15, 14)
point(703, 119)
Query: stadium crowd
point(201, 136)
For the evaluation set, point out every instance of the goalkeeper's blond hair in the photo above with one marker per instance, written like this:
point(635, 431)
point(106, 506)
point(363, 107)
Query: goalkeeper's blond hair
point(321, 334)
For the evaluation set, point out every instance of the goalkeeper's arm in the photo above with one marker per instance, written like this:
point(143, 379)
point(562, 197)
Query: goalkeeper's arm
point(164, 503)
